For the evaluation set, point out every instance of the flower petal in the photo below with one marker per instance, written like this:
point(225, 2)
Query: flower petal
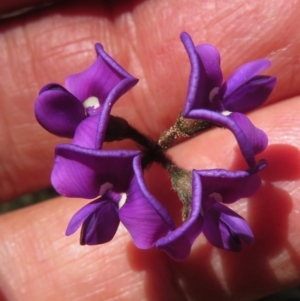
point(210, 65)
point(237, 224)
point(58, 111)
point(250, 95)
point(224, 228)
point(242, 75)
point(231, 185)
point(200, 82)
point(106, 80)
point(80, 172)
point(145, 219)
point(244, 140)
point(103, 78)
point(86, 134)
point(257, 138)
point(81, 215)
point(101, 226)
point(178, 243)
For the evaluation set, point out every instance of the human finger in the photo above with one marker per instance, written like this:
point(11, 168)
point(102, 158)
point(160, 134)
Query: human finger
point(56, 267)
point(143, 37)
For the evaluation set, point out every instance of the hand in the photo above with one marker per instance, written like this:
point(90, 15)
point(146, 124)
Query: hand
point(37, 262)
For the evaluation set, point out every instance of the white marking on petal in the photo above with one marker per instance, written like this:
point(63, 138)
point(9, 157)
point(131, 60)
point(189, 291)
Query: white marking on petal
point(122, 200)
point(217, 196)
point(104, 187)
point(226, 113)
point(91, 102)
point(213, 93)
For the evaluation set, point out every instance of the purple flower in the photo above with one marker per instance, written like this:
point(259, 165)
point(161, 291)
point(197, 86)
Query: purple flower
point(208, 99)
point(115, 178)
point(86, 101)
point(243, 91)
point(222, 227)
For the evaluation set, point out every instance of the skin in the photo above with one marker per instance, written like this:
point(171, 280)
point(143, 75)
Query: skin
point(37, 262)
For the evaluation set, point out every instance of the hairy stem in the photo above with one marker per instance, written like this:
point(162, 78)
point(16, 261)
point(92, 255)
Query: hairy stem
point(183, 128)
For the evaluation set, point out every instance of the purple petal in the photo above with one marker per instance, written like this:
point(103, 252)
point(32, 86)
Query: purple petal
point(58, 111)
point(105, 80)
point(145, 219)
point(241, 76)
point(210, 64)
point(86, 134)
point(250, 95)
point(244, 139)
point(230, 185)
point(178, 243)
point(257, 138)
point(99, 219)
point(101, 226)
point(225, 229)
point(237, 224)
point(102, 78)
point(200, 83)
point(80, 172)
point(81, 215)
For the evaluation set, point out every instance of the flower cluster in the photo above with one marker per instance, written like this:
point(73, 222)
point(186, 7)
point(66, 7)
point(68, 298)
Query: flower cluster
point(114, 178)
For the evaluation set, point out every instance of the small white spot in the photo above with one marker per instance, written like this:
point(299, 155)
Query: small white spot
point(213, 93)
point(123, 200)
point(217, 196)
point(91, 102)
point(104, 187)
point(226, 113)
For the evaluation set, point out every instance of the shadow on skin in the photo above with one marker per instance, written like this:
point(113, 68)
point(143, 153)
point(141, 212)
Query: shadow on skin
point(170, 280)
point(251, 272)
point(283, 163)
point(2, 297)
point(268, 216)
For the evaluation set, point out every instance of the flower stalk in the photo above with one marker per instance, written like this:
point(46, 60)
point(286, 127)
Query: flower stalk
point(183, 128)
